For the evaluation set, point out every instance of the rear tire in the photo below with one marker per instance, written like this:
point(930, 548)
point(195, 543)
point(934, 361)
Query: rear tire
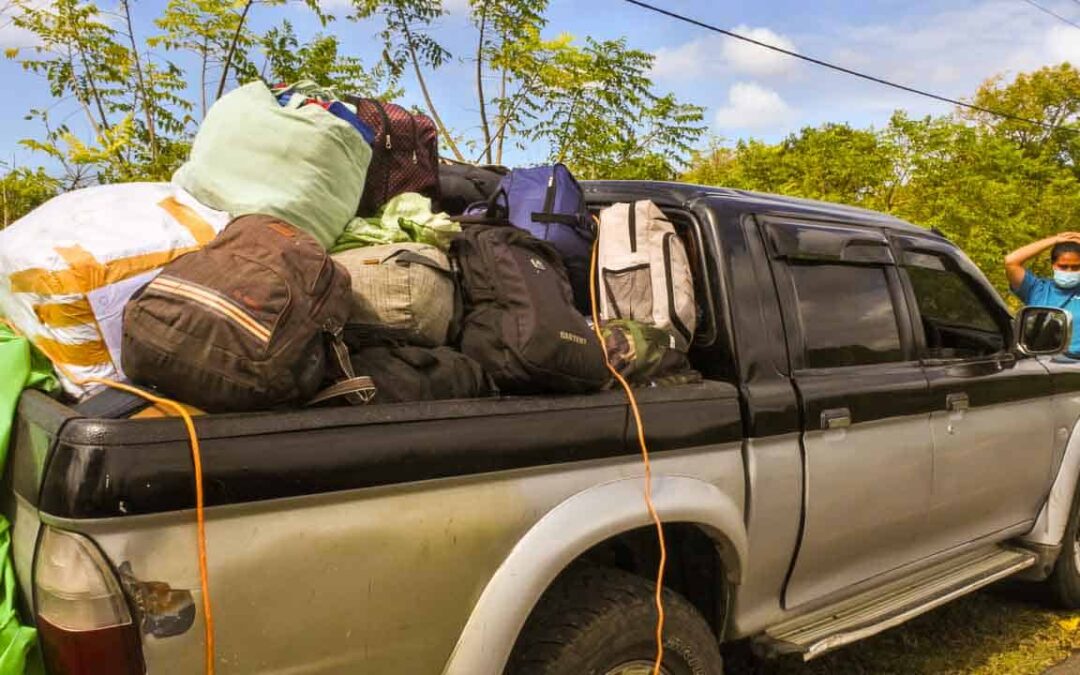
point(1064, 581)
point(602, 621)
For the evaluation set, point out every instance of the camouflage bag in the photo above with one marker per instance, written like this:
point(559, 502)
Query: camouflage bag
point(646, 355)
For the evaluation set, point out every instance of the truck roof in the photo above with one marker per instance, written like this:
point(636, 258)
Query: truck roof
point(751, 201)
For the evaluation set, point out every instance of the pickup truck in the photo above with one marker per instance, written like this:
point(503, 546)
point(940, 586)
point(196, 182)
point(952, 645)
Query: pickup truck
point(875, 435)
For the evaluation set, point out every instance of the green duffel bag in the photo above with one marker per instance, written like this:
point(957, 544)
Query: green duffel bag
point(301, 164)
point(645, 354)
point(400, 293)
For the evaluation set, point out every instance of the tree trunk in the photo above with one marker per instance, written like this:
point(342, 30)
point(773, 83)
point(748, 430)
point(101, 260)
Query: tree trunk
point(480, 83)
point(427, 96)
point(143, 93)
point(502, 116)
point(94, 93)
point(501, 131)
point(202, 77)
point(232, 49)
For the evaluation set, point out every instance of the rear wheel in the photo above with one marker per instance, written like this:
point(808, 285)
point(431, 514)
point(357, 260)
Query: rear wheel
point(602, 621)
point(1064, 581)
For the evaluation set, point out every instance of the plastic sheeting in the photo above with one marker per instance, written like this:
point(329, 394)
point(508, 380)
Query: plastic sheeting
point(68, 268)
point(22, 367)
point(296, 162)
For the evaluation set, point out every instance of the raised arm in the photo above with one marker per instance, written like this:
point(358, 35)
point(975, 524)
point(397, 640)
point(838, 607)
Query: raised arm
point(1015, 261)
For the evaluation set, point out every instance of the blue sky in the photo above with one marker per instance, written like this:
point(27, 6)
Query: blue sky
point(947, 46)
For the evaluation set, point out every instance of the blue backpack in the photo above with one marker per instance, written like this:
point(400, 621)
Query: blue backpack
point(548, 202)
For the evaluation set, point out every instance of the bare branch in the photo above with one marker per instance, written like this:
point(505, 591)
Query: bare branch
point(423, 88)
point(232, 49)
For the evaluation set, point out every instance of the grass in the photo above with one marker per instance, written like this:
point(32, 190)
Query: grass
point(1000, 631)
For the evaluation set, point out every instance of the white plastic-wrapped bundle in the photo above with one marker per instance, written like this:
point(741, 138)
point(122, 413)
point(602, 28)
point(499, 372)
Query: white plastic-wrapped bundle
point(68, 268)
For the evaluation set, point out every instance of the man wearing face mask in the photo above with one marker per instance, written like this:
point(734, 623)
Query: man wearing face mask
point(1063, 291)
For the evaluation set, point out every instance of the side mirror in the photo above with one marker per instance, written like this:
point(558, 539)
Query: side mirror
point(1043, 331)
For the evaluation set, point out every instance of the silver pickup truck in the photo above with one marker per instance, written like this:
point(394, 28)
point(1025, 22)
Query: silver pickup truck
point(875, 436)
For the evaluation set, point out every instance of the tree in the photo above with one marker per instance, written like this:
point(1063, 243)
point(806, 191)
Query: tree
point(22, 190)
point(989, 184)
point(591, 105)
point(1050, 96)
point(139, 119)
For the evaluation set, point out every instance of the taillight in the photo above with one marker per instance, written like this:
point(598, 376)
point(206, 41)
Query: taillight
point(82, 616)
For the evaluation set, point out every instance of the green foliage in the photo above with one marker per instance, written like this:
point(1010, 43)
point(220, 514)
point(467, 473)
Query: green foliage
point(592, 104)
point(604, 120)
point(22, 190)
point(136, 103)
point(320, 60)
point(990, 185)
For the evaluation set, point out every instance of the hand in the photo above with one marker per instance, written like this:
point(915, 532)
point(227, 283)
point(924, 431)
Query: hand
point(1069, 236)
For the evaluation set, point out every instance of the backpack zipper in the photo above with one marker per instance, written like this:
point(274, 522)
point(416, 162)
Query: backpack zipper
point(676, 322)
point(215, 302)
point(632, 224)
point(416, 137)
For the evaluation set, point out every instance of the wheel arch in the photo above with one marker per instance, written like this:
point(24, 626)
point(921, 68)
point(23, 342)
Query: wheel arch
point(569, 531)
point(1053, 517)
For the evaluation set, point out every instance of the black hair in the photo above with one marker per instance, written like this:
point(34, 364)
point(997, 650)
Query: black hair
point(1064, 247)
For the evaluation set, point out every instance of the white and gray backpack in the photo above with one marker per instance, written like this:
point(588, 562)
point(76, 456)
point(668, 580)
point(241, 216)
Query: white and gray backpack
point(644, 272)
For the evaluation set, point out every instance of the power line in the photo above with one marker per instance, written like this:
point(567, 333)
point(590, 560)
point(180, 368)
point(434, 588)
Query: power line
point(1053, 13)
point(848, 71)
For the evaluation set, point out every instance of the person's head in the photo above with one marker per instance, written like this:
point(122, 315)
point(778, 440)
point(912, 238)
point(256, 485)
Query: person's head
point(1065, 257)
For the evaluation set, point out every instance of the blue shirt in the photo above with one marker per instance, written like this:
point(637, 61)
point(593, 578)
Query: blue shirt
point(1042, 292)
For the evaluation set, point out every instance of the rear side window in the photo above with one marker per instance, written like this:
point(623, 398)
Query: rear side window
point(847, 315)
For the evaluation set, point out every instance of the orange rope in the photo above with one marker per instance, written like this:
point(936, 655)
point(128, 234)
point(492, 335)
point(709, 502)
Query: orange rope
point(200, 516)
point(645, 460)
point(196, 457)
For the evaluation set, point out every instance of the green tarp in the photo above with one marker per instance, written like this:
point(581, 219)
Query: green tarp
point(21, 367)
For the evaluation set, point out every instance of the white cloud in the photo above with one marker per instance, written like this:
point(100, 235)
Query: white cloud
point(751, 106)
point(954, 50)
point(719, 55)
point(1063, 43)
point(751, 59)
point(685, 61)
point(455, 7)
point(11, 36)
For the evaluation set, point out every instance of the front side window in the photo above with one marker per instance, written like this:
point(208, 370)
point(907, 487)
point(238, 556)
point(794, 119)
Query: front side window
point(957, 323)
point(847, 315)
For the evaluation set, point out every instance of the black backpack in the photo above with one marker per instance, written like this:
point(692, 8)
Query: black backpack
point(462, 185)
point(408, 373)
point(520, 322)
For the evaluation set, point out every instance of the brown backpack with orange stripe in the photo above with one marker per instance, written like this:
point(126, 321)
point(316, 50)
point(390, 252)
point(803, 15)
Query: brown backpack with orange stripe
point(244, 324)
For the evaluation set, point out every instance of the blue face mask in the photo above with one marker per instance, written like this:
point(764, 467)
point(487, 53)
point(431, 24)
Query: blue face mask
point(1066, 279)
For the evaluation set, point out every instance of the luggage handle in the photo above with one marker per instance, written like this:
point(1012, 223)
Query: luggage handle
point(354, 388)
point(584, 229)
point(405, 257)
point(496, 214)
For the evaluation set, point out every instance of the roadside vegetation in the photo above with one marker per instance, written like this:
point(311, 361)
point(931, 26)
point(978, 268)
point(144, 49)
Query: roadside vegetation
point(989, 184)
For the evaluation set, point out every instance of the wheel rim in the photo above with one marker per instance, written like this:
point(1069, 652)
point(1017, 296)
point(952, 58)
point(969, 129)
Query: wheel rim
point(640, 667)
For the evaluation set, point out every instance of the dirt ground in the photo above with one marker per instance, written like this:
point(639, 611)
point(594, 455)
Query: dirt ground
point(1004, 630)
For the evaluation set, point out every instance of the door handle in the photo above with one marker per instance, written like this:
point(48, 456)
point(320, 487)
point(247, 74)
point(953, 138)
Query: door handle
point(835, 418)
point(957, 402)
